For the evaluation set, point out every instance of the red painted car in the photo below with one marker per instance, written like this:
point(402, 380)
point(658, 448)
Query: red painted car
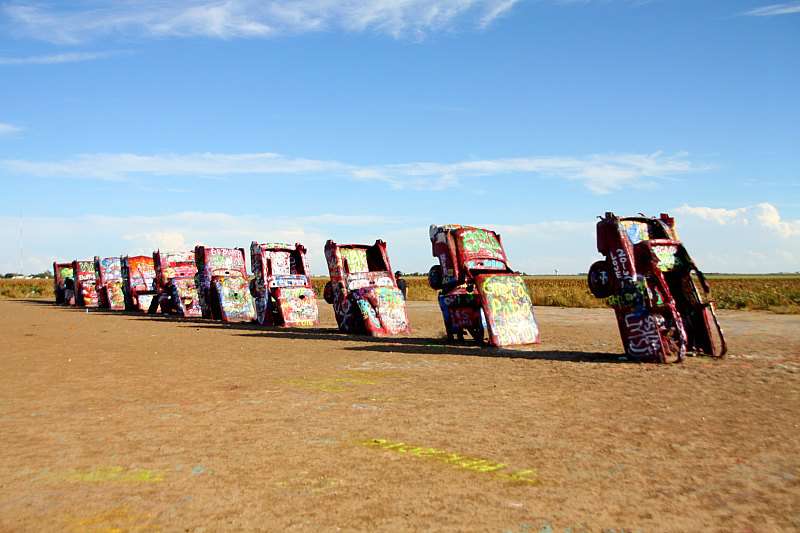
point(363, 290)
point(85, 283)
point(138, 281)
point(64, 290)
point(660, 297)
point(223, 284)
point(281, 287)
point(175, 284)
point(478, 288)
point(110, 294)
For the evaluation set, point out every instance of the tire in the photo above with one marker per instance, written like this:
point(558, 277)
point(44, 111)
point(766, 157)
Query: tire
point(327, 293)
point(599, 280)
point(436, 277)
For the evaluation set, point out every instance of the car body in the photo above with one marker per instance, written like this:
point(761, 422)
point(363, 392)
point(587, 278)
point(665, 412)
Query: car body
point(363, 290)
point(110, 294)
point(85, 283)
point(660, 297)
point(281, 286)
point(478, 289)
point(61, 273)
point(223, 284)
point(138, 281)
point(175, 284)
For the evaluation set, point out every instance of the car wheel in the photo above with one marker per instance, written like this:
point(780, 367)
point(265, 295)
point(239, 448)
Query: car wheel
point(599, 279)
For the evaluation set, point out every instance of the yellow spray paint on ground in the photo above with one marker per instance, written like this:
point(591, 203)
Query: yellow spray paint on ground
point(474, 464)
point(117, 519)
point(111, 474)
point(338, 383)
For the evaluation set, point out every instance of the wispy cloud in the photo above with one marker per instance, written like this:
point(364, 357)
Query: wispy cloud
point(787, 8)
point(764, 216)
point(8, 129)
point(65, 57)
point(600, 173)
point(246, 18)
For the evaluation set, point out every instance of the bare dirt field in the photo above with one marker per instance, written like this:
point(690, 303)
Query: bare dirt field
point(119, 422)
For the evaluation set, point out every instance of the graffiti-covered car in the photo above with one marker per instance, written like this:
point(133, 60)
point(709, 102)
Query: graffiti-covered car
point(85, 283)
point(281, 286)
point(478, 290)
point(363, 290)
point(223, 284)
point(110, 293)
point(63, 289)
point(176, 289)
point(138, 281)
point(660, 297)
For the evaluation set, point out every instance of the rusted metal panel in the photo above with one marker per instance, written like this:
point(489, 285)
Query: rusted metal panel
point(363, 290)
point(281, 286)
point(660, 297)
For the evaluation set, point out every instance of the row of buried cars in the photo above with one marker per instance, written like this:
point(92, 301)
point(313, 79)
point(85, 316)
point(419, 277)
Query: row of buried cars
point(660, 297)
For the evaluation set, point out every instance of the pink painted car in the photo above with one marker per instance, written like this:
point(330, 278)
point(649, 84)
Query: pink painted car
point(660, 297)
point(175, 284)
point(138, 281)
point(281, 287)
point(363, 290)
point(85, 283)
point(478, 288)
point(110, 294)
point(64, 290)
point(223, 284)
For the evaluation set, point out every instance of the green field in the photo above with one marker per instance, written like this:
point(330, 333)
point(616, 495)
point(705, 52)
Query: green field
point(779, 293)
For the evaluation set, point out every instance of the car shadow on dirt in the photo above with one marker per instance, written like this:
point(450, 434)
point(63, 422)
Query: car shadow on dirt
point(432, 346)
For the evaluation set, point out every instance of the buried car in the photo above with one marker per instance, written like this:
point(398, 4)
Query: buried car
point(660, 297)
point(176, 289)
point(138, 281)
point(478, 289)
point(110, 294)
point(223, 285)
point(85, 283)
point(363, 290)
point(281, 287)
point(63, 289)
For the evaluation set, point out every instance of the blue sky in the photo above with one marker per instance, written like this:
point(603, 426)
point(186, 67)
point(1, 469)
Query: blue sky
point(131, 125)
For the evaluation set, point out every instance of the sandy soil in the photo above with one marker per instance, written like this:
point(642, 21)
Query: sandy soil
point(117, 422)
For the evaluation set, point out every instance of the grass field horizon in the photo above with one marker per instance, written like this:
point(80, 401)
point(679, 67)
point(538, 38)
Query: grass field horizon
point(778, 293)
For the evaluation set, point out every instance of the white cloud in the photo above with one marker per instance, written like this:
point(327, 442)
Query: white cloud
point(787, 8)
point(45, 239)
point(246, 18)
point(764, 216)
point(8, 129)
point(720, 215)
point(600, 173)
point(65, 57)
point(755, 239)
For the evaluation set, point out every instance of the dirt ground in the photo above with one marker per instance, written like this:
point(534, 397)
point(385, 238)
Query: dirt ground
point(119, 422)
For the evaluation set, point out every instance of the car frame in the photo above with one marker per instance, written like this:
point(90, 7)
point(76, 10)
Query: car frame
point(223, 284)
point(176, 284)
point(478, 290)
point(110, 293)
point(363, 290)
point(281, 285)
point(138, 281)
point(660, 298)
point(62, 272)
point(85, 283)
